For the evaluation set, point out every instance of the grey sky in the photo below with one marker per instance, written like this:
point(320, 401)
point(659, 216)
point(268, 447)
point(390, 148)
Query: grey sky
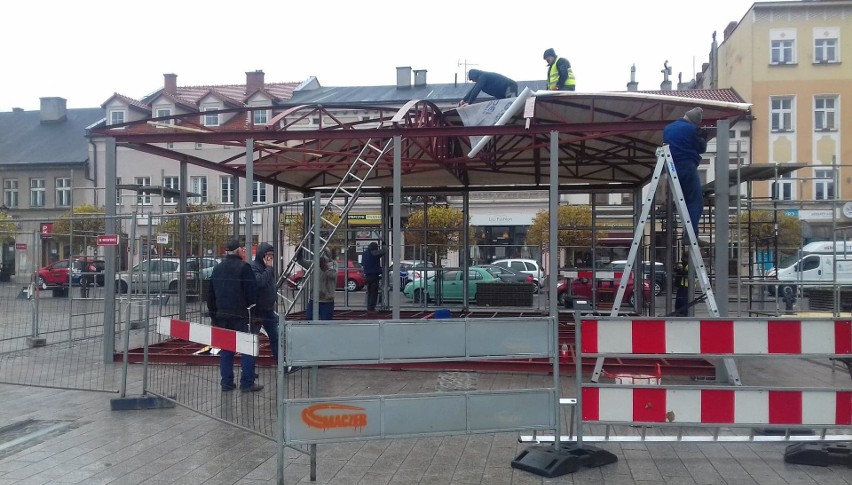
point(85, 51)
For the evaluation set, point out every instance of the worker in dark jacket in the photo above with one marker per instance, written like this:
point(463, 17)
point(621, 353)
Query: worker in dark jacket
point(496, 85)
point(560, 76)
point(371, 261)
point(230, 300)
point(687, 141)
point(263, 267)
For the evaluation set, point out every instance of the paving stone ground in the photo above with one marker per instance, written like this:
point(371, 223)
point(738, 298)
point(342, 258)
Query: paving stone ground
point(66, 436)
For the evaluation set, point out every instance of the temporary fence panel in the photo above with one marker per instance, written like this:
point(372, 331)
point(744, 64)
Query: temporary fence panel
point(668, 410)
point(315, 420)
point(51, 325)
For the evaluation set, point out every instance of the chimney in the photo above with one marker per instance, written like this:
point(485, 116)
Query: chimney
point(17, 110)
point(729, 29)
point(52, 110)
point(633, 85)
point(403, 77)
point(254, 81)
point(419, 78)
point(170, 84)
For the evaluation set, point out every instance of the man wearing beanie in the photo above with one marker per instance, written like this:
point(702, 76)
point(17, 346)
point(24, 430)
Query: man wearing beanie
point(232, 292)
point(496, 85)
point(560, 77)
point(687, 141)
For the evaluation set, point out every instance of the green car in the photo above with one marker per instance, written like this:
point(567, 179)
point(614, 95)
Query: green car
point(452, 285)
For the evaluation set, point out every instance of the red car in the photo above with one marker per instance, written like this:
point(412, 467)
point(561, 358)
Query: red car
point(84, 272)
point(606, 290)
point(350, 279)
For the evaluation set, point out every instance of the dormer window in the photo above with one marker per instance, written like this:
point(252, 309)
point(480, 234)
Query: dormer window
point(210, 119)
point(260, 116)
point(117, 116)
point(163, 112)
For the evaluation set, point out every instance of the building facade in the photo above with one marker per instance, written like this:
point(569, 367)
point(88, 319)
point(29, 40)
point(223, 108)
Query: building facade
point(786, 58)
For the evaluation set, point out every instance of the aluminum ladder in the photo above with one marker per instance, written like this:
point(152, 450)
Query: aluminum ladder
point(360, 170)
point(666, 162)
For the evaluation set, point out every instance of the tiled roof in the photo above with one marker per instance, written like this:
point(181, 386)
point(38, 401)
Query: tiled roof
point(128, 101)
point(726, 95)
point(25, 140)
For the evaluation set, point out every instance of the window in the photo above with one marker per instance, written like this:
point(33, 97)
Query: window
point(198, 185)
point(825, 113)
point(258, 193)
point(36, 192)
point(226, 182)
point(782, 114)
point(210, 119)
point(161, 112)
point(783, 189)
point(261, 116)
point(601, 198)
point(171, 183)
point(116, 116)
point(782, 52)
point(143, 198)
point(63, 192)
point(823, 184)
point(10, 193)
point(825, 50)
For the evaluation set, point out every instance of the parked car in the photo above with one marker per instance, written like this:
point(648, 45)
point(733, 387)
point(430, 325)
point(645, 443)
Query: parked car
point(660, 277)
point(582, 288)
point(165, 274)
point(507, 275)
point(412, 270)
point(350, 278)
point(528, 266)
point(452, 284)
point(84, 272)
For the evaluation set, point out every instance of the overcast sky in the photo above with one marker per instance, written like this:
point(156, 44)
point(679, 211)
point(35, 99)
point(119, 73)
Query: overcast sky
point(85, 51)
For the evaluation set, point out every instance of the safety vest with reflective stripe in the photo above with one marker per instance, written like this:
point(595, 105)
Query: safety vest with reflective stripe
point(553, 77)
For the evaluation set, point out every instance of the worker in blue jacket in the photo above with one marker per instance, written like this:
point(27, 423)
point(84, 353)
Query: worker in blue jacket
point(687, 141)
point(496, 85)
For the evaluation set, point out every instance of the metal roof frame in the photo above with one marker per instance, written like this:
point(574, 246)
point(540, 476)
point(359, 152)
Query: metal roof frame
point(606, 140)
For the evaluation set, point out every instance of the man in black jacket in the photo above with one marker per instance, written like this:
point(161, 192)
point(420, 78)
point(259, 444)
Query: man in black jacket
point(232, 293)
point(264, 275)
point(496, 85)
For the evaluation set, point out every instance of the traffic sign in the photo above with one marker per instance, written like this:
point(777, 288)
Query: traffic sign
point(108, 240)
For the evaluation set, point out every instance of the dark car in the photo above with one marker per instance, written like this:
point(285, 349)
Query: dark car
point(507, 275)
point(84, 272)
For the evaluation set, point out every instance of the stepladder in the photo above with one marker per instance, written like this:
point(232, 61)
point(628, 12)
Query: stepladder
point(665, 165)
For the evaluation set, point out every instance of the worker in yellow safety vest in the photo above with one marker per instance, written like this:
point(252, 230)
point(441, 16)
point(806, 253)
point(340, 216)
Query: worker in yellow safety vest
point(560, 77)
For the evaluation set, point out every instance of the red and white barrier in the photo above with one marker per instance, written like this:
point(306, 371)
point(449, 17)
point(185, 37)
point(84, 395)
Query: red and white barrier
point(717, 406)
point(241, 342)
point(734, 337)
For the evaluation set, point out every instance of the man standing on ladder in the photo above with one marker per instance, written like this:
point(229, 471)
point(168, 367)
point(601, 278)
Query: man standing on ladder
point(687, 141)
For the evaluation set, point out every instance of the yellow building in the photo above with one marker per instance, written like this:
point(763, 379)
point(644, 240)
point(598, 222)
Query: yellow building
point(786, 58)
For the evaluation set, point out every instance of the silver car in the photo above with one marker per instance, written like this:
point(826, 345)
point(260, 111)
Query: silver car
point(165, 274)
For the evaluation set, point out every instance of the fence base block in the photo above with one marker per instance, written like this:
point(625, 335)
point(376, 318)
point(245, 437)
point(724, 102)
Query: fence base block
point(36, 341)
point(549, 462)
point(819, 454)
point(140, 402)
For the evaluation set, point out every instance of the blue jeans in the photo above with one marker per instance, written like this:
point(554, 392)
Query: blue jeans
point(270, 326)
point(326, 310)
point(693, 194)
point(226, 369)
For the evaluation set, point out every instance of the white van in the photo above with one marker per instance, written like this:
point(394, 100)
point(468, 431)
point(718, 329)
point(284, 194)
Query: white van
point(814, 266)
